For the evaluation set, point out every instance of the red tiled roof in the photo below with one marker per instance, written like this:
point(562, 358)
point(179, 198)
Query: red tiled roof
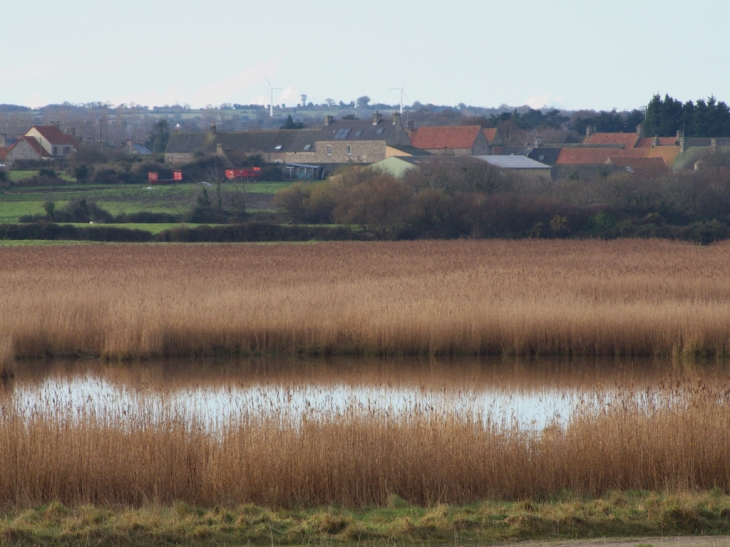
point(667, 153)
point(454, 136)
point(584, 156)
point(646, 165)
point(54, 135)
point(648, 142)
point(631, 153)
point(626, 139)
point(490, 133)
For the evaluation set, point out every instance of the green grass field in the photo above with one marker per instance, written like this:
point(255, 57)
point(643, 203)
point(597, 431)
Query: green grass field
point(152, 228)
point(20, 175)
point(175, 199)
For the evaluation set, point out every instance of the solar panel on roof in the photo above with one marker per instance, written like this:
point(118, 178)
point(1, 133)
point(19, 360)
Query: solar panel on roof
point(342, 133)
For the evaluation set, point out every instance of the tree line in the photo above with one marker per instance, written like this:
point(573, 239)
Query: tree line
point(700, 118)
point(469, 198)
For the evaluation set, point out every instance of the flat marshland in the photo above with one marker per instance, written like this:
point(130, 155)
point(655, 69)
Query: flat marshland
point(630, 297)
point(107, 452)
point(350, 447)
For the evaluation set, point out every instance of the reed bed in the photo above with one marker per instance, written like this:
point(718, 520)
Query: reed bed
point(627, 297)
point(669, 438)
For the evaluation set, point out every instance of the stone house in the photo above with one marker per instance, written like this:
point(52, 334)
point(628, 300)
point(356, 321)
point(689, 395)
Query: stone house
point(360, 141)
point(462, 140)
point(285, 145)
point(38, 143)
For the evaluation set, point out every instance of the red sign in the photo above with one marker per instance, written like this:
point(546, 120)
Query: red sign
point(152, 177)
point(177, 175)
point(249, 173)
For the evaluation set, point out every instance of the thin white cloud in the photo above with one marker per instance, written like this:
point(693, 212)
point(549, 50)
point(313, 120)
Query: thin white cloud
point(230, 89)
point(541, 101)
point(538, 101)
point(152, 97)
point(35, 100)
point(289, 96)
point(28, 72)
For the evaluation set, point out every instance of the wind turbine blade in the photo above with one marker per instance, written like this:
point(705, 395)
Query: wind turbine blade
point(267, 81)
point(406, 95)
point(404, 82)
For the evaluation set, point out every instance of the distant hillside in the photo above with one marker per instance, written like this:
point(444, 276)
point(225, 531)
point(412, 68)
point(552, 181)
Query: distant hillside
point(14, 108)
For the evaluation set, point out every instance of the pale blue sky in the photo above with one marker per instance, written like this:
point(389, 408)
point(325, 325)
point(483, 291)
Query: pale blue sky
point(567, 53)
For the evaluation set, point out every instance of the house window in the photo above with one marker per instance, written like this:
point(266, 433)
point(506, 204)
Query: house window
point(358, 133)
point(55, 150)
point(379, 131)
point(329, 150)
point(542, 157)
point(349, 150)
point(66, 150)
point(278, 147)
point(307, 147)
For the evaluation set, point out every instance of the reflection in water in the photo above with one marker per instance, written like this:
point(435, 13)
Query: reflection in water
point(218, 394)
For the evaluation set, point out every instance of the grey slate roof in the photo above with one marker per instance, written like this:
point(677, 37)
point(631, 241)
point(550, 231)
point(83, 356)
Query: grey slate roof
point(547, 156)
point(364, 130)
point(513, 162)
point(290, 140)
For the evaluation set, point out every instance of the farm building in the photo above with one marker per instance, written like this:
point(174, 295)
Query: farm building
point(462, 140)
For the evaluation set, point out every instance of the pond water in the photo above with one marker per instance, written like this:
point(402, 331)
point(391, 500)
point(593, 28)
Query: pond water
point(533, 394)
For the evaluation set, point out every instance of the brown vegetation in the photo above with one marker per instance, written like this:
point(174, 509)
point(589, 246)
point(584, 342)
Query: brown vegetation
point(491, 297)
point(669, 438)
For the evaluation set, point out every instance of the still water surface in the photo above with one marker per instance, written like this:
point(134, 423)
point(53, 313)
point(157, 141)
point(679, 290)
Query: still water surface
point(533, 394)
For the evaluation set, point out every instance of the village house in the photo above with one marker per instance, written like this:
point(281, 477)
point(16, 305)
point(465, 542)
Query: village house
point(361, 141)
point(459, 140)
point(285, 145)
point(338, 141)
point(524, 167)
point(40, 142)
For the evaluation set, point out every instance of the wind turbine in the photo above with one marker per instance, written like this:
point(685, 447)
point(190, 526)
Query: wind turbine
point(271, 96)
point(402, 93)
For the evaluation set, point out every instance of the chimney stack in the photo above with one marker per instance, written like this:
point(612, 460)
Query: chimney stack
point(682, 140)
point(219, 149)
point(213, 129)
point(713, 145)
point(640, 130)
point(328, 120)
point(589, 130)
point(376, 118)
point(410, 126)
point(538, 141)
point(655, 141)
point(396, 118)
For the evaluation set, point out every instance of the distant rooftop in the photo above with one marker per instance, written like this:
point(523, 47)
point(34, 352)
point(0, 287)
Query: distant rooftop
point(513, 162)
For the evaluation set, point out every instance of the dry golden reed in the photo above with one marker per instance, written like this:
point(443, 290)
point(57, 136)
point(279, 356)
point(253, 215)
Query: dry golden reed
point(670, 438)
point(633, 297)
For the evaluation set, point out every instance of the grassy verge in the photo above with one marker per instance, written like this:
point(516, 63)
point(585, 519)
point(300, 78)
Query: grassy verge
point(155, 228)
point(174, 198)
point(618, 514)
point(20, 175)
